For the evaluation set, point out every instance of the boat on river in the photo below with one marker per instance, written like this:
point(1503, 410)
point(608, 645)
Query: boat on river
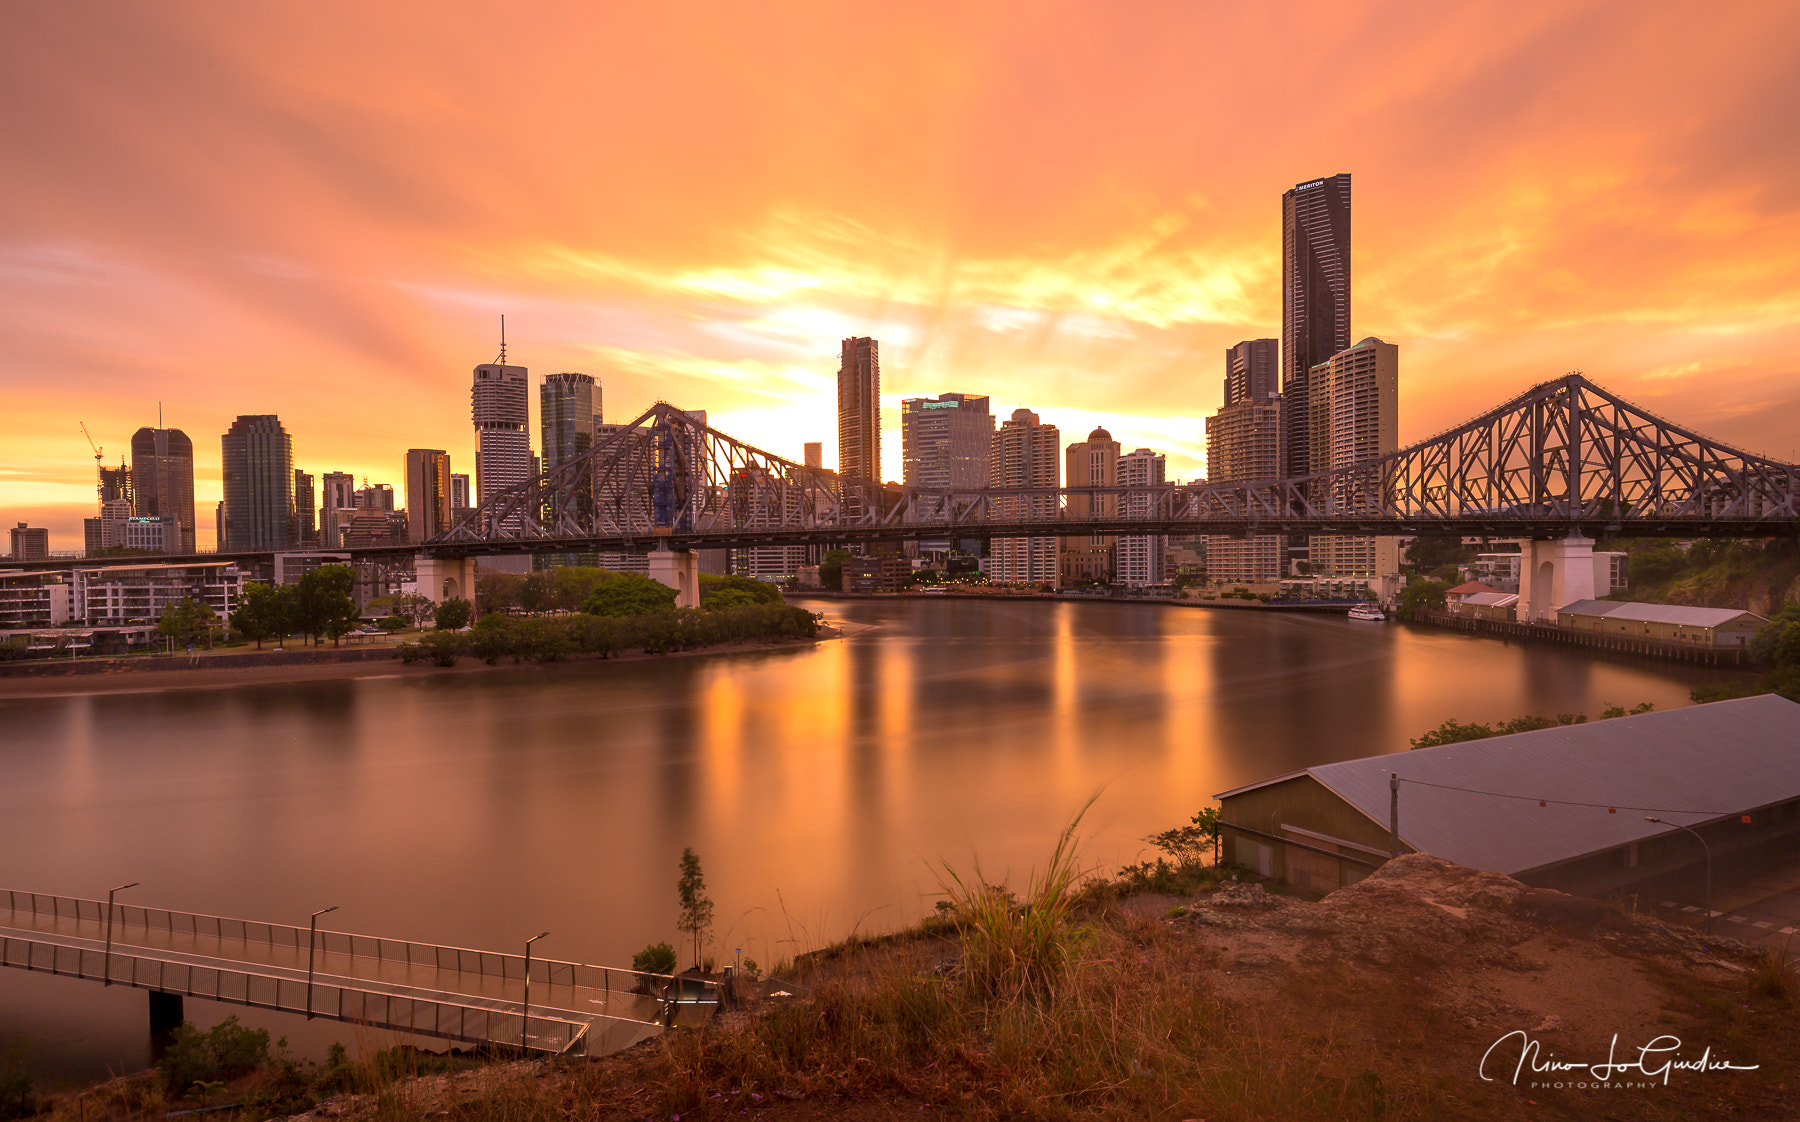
point(1369, 613)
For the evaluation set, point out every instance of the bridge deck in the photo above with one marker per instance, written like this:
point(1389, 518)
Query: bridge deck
point(453, 993)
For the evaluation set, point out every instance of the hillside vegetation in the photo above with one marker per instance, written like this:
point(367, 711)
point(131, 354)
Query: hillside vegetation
point(1757, 576)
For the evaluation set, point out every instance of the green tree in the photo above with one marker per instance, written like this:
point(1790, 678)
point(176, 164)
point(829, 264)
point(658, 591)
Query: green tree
point(696, 907)
point(416, 610)
point(453, 614)
point(498, 592)
point(537, 592)
point(575, 583)
point(323, 607)
point(657, 958)
point(724, 592)
point(831, 569)
point(1422, 596)
point(628, 594)
point(189, 621)
point(265, 611)
point(1430, 552)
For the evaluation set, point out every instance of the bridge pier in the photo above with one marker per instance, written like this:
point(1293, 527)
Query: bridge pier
point(445, 578)
point(1553, 573)
point(680, 570)
point(166, 1015)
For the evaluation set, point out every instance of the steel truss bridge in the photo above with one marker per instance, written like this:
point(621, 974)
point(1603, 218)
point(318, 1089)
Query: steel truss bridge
point(1564, 457)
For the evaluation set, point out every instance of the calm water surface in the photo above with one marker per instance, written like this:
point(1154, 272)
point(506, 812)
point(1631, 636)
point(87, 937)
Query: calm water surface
point(819, 785)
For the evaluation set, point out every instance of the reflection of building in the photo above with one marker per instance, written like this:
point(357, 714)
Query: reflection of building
point(427, 493)
point(30, 543)
point(859, 412)
point(1023, 453)
point(162, 478)
point(1138, 558)
point(258, 461)
point(1355, 417)
point(1090, 463)
point(501, 406)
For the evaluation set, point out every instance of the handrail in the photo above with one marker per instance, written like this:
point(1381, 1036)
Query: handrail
point(464, 959)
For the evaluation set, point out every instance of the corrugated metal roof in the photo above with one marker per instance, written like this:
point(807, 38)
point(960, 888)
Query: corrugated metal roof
point(1591, 607)
point(1492, 599)
point(1687, 765)
point(1677, 614)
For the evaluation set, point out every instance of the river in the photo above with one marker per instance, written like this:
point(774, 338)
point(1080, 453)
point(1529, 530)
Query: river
point(821, 786)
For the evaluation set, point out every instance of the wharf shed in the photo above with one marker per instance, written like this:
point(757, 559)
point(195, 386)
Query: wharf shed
point(1560, 808)
point(1663, 623)
point(1499, 606)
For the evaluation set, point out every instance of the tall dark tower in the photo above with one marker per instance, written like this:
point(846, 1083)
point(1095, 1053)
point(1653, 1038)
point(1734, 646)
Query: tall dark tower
point(162, 475)
point(859, 410)
point(1315, 298)
point(257, 458)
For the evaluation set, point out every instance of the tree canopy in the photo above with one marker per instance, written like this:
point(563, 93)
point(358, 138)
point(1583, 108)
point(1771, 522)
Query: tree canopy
point(627, 594)
point(189, 621)
point(696, 907)
point(323, 605)
point(265, 611)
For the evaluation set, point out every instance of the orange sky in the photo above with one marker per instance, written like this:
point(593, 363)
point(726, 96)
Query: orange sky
point(320, 210)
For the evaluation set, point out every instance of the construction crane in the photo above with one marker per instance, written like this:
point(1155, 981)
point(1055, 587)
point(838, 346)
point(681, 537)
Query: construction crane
point(99, 479)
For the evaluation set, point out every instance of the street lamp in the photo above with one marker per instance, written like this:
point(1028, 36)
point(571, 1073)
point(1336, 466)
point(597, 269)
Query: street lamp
point(1708, 850)
point(106, 967)
point(525, 1009)
point(312, 941)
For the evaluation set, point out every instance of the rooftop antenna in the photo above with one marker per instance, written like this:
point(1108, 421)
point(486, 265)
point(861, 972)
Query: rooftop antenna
point(501, 361)
point(159, 423)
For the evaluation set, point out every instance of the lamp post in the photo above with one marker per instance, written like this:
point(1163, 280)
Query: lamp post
point(1707, 849)
point(525, 1009)
point(106, 963)
point(312, 942)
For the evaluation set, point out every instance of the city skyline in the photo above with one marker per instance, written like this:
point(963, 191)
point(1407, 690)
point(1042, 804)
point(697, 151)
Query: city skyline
point(1595, 216)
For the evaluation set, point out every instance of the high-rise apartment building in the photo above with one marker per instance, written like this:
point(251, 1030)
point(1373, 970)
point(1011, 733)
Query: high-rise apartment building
point(1138, 559)
point(337, 501)
point(1244, 443)
point(944, 441)
point(30, 543)
point(501, 406)
point(108, 530)
point(162, 476)
point(1315, 298)
point(1252, 370)
point(1355, 418)
point(459, 492)
point(859, 413)
point(1094, 462)
point(258, 460)
point(375, 496)
point(814, 453)
point(306, 512)
point(1022, 453)
point(428, 499)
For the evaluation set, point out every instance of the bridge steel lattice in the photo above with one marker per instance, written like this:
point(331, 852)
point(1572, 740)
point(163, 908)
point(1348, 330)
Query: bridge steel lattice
point(1564, 457)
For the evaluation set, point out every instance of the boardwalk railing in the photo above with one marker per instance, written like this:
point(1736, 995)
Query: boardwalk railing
point(487, 964)
point(417, 1015)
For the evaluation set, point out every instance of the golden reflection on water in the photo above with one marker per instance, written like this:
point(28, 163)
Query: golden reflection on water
point(820, 785)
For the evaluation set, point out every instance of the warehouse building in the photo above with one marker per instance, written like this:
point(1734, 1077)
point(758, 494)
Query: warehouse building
point(1662, 623)
point(1560, 808)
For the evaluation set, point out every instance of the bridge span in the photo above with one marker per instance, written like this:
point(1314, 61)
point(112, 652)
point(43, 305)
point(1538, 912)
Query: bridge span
point(420, 989)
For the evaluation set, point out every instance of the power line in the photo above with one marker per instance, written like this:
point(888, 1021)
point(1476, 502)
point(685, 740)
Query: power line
point(1568, 802)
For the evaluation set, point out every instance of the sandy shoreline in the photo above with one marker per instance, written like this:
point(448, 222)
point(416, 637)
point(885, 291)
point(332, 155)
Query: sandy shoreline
point(224, 677)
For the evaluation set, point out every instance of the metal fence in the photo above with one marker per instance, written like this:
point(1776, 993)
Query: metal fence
point(663, 989)
point(416, 1015)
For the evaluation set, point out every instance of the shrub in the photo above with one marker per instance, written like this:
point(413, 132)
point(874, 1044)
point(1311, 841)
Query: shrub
point(452, 614)
point(657, 958)
point(391, 623)
point(627, 594)
point(225, 1051)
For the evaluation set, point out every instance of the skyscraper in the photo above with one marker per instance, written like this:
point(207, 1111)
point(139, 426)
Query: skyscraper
point(258, 460)
point(1024, 453)
point(1138, 558)
point(1315, 298)
point(428, 498)
point(859, 413)
point(162, 475)
point(306, 512)
point(1252, 370)
point(1244, 444)
point(337, 503)
point(814, 451)
point(459, 492)
point(944, 441)
point(501, 405)
point(30, 543)
point(1355, 418)
point(568, 413)
point(1093, 462)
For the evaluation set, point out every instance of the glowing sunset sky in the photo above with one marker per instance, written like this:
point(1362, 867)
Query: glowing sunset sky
point(320, 210)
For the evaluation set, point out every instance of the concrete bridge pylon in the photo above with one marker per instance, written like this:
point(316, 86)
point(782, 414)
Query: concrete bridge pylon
point(446, 578)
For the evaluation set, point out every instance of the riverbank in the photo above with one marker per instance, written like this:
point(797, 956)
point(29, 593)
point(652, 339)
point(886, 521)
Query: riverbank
point(154, 674)
point(1333, 607)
